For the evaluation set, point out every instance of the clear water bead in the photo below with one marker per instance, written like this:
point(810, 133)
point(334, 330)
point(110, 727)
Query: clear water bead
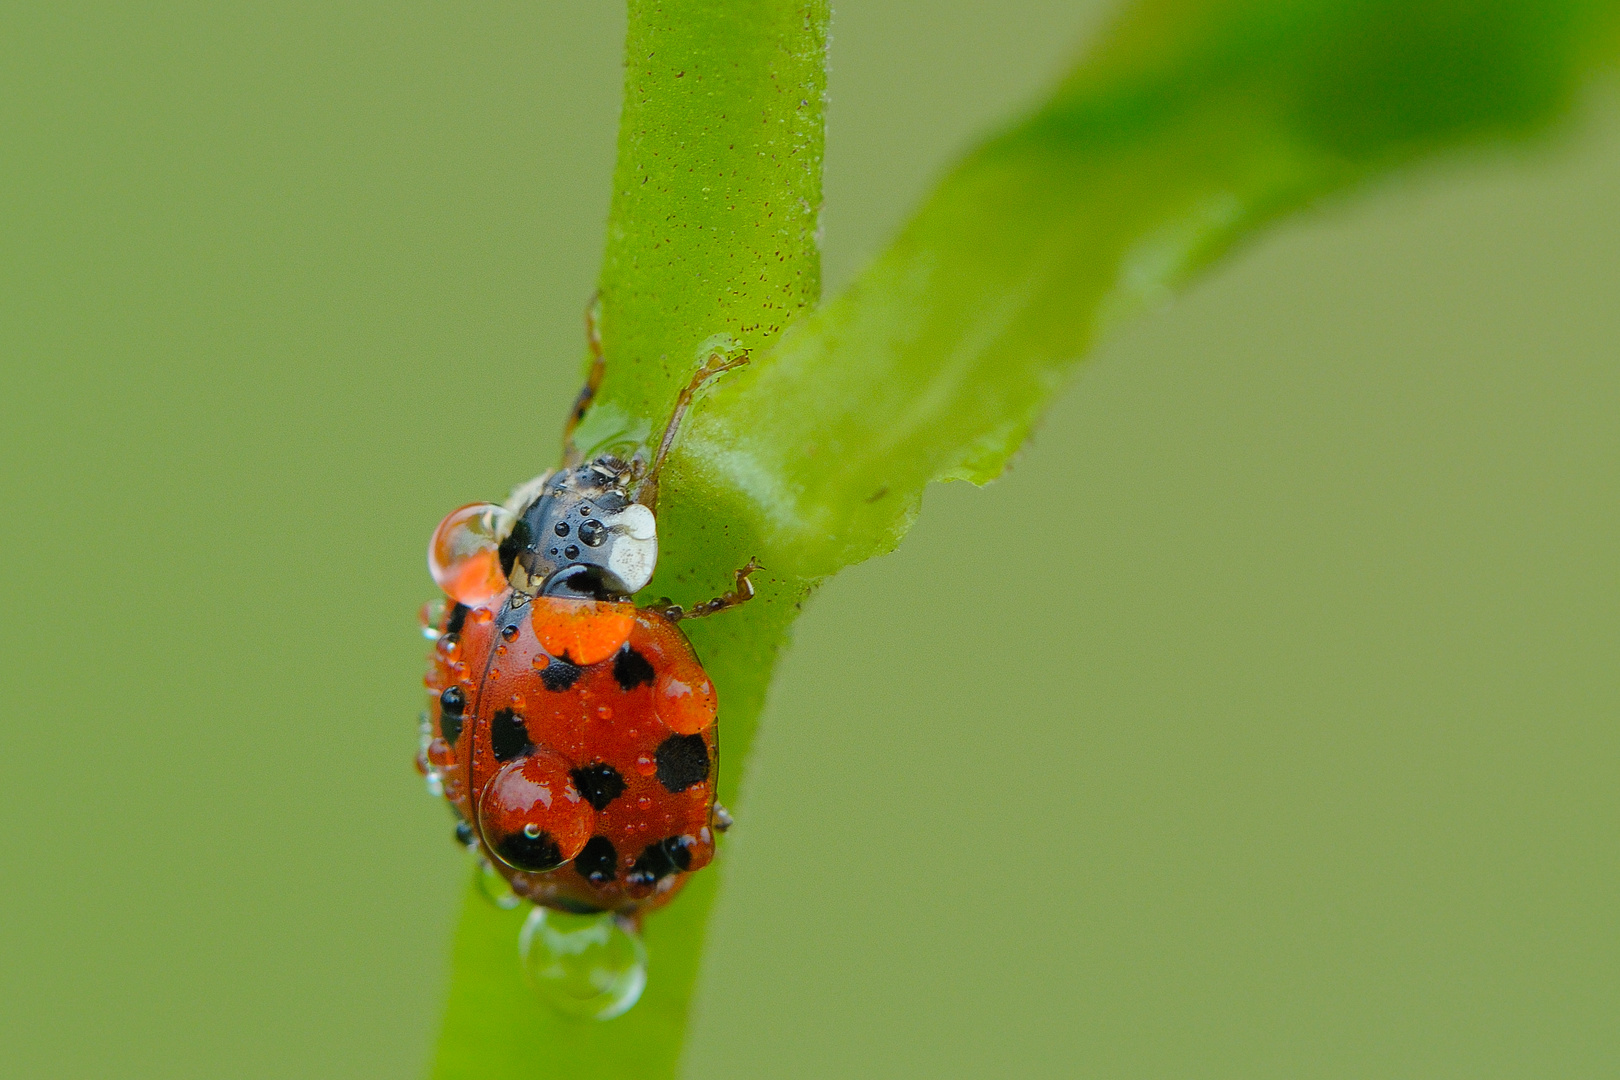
point(495, 888)
point(430, 772)
point(429, 618)
point(585, 966)
point(464, 556)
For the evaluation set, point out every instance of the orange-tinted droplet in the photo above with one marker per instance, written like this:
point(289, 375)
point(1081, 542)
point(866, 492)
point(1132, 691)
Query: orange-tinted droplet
point(531, 814)
point(584, 632)
point(541, 661)
point(440, 754)
point(645, 765)
point(604, 712)
point(463, 554)
point(686, 706)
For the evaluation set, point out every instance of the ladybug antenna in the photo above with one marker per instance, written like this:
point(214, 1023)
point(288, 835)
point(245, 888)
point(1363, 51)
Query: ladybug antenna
point(717, 364)
point(593, 380)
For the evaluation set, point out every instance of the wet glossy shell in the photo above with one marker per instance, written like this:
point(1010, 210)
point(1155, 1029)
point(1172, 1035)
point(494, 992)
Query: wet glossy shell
point(580, 730)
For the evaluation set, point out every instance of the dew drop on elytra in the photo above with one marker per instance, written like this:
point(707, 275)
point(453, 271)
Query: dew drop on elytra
point(585, 966)
point(494, 888)
point(464, 556)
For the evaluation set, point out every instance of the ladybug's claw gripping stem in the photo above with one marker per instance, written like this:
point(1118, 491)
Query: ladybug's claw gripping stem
point(743, 593)
point(713, 367)
point(587, 393)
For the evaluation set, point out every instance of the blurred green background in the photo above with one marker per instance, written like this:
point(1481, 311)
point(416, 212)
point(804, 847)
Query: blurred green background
point(1282, 745)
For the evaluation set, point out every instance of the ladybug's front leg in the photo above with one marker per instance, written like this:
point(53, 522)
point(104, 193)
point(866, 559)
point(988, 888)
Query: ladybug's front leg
point(743, 593)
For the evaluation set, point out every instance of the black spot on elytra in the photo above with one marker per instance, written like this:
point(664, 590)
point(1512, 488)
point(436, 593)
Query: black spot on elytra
point(508, 737)
point(458, 618)
point(451, 704)
point(631, 669)
point(559, 674)
point(597, 862)
point(516, 541)
point(599, 783)
point(661, 859)
point(683, 760)
point(536, 854)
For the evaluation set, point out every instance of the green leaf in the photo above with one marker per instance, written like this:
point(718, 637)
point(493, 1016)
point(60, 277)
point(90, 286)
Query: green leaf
point(1195, 123)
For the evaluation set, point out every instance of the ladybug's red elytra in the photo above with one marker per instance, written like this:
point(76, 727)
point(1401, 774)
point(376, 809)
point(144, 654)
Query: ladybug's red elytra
point(574, 733)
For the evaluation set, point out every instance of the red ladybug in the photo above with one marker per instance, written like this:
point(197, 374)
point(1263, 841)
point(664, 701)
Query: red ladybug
point(572, 732)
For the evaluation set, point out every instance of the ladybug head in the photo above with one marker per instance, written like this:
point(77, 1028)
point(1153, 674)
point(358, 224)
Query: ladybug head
point(579, 532)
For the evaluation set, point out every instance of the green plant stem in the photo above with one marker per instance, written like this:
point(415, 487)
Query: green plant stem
point(712, 233)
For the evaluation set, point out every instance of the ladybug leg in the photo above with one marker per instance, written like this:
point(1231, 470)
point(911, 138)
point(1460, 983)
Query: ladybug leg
point(743, 593)
point(587, 393)
point(647, 493)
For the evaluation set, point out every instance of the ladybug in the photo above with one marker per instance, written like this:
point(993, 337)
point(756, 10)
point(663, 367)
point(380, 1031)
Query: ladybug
point(573, 733)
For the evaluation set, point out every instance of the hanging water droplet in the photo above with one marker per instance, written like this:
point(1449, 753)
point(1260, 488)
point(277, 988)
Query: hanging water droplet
point(424, 763)
point(430, 617)
point(464, 556)
point(585, 966)
point(495, 888)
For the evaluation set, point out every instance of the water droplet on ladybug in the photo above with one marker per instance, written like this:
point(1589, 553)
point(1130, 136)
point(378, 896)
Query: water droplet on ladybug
point(440, 755)
point(431, 615)
point(645, 803)
point(604, 712)
point(571, 551)
point(540, 662)
point(509, 631)
point(561, 528)
point(518, 701)
point(585, 966)
point(494, 888)
point(500, 650)
point(686, 706)
point(531, 816)
point(592, 533)
point(464, 556)
point(482, 615)
point(645, 765)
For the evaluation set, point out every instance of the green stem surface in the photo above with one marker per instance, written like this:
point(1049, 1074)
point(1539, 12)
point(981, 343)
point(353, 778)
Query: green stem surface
point(711, 243)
